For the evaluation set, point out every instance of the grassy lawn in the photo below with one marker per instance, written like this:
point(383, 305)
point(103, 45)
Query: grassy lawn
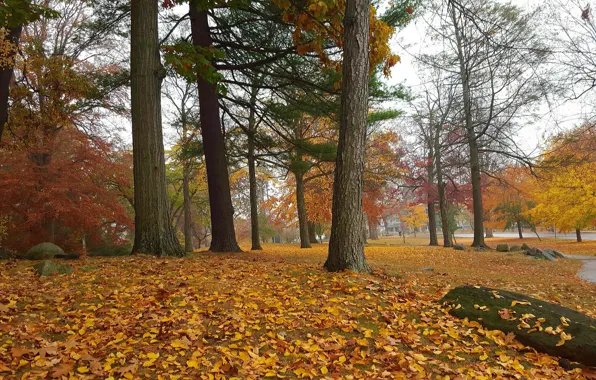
point(275, 314)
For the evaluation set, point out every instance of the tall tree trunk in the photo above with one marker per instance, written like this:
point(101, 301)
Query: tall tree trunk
point(578, 235)
point(430, 205)
point(188, 244)
point(301, 207)
point(252, 176)
point(519, 230)
point(223, 236)
point(346, 244)
point(13, 36)
point(373, 231)
point(442, 198)
point(489, 232)
point(154, 233)
point(472, 141)
point(312, 236)
point(432, 224)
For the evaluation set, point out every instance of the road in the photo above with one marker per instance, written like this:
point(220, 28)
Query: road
point(585, 235)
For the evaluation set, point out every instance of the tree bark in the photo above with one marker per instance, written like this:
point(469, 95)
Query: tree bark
point(154, 234)
point(252, 176)
point(489, 232)
point(188, 244)
point(14, 36)
point(578, 235)
point(432, 224)
point(312, 236)
point(301, 208)
point(373, 231)
point(346, 244)
point(472, 142)
point(442, 198)
point(519, 230)
point(430, 205)
point(223, 236)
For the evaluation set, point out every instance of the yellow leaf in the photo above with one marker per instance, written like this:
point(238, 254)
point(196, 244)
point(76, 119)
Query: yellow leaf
point(192, 364)
point(152, 355)
point(324, 370)
point(484, 356)
point(83, 369)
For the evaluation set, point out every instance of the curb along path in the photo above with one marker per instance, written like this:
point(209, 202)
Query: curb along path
point(588, 270)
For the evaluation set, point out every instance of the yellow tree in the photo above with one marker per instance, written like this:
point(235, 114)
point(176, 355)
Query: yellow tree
point(566, 186)
point(415, 217)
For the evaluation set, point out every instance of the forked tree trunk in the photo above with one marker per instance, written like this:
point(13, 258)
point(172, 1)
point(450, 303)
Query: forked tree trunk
point(223, 236)
point(471, 139)
point(13, 36)
point(154, 233)
point(312, 236)
point(301, 208)
point(252, 175)
point(489, 232)
point(578, 235)
point(519, 230)
point(346, 244)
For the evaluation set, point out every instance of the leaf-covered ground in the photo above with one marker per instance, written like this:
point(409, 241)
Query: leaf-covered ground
point(273, 314)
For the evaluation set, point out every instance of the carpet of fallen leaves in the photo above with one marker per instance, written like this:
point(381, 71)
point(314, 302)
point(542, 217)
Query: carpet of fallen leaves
point(274, 313)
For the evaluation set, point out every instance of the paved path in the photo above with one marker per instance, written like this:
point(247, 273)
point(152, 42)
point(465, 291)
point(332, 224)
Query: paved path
point(588, 271)
point(586, 235)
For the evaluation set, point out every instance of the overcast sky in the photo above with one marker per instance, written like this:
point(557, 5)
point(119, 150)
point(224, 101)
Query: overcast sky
point(410, 42)
point(555, 115)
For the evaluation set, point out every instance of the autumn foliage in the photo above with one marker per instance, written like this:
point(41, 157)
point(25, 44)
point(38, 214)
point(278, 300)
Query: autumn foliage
point(60, 180)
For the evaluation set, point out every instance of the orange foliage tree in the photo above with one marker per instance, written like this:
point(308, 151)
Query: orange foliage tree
point(508, 200)
point(57, 182)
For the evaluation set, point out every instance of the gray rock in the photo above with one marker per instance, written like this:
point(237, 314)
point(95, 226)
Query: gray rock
point(525, 247)
point(549, 255)
point(537, 253)
point(49, 268)
point(459, 247)
point(502, 248)
point(430, 269)
point(558, 254)
point(43, 251)
point(514, 248)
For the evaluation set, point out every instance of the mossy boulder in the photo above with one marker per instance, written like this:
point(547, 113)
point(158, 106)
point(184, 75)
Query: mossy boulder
point(525, 247)
point(49, 268)
point(43, 251)
point(524, 316)
point(514, 248)
point(459, 247)
point(502, 248)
